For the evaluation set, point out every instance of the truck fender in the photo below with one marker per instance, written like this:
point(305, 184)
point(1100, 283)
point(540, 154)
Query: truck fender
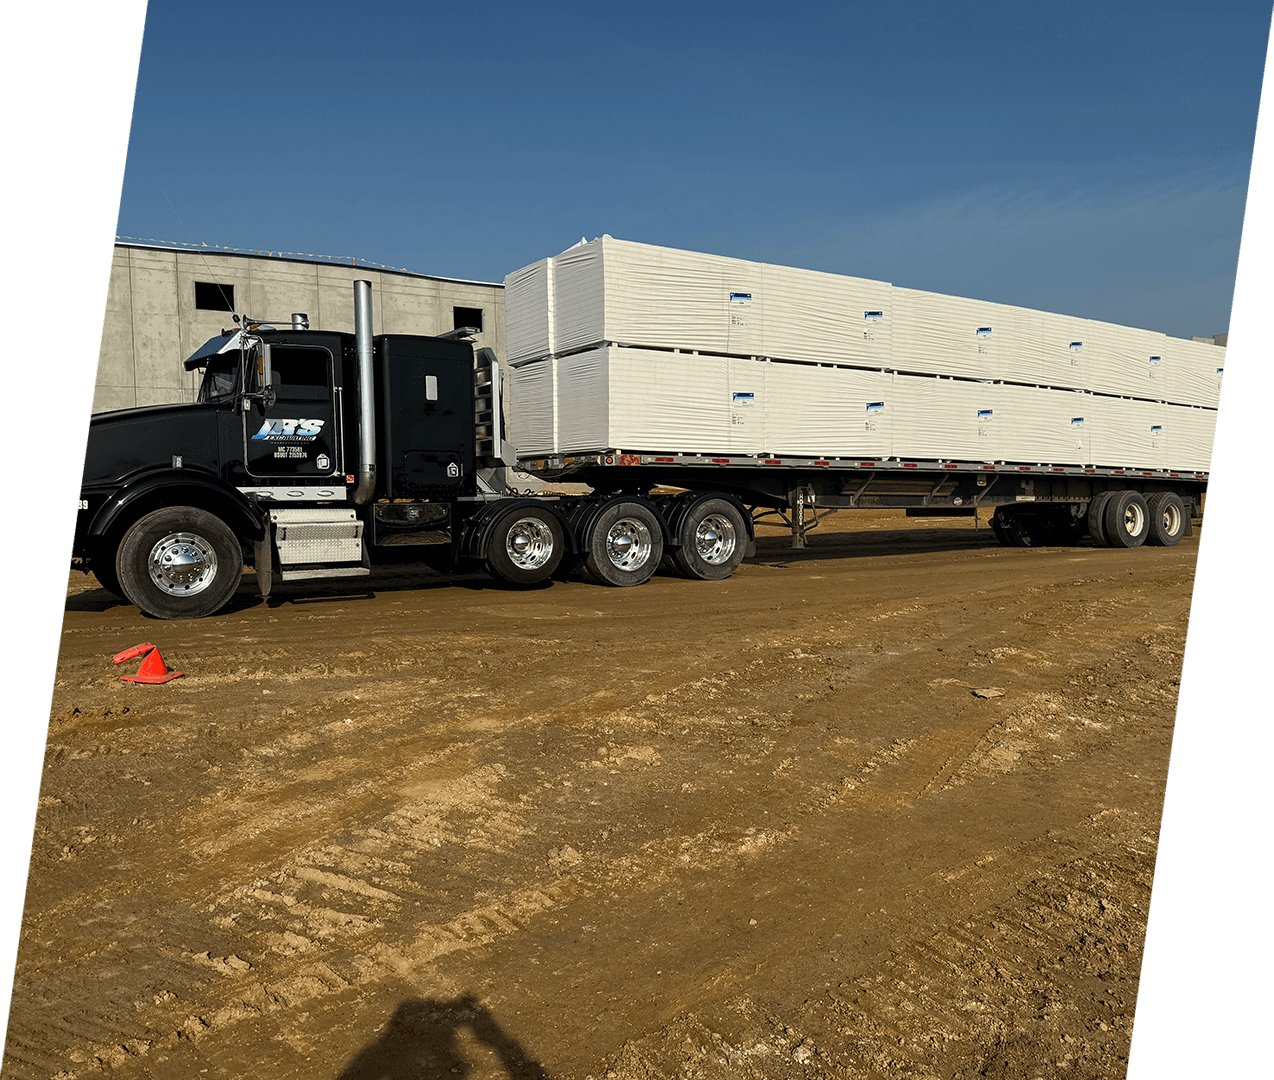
point(685, 503)
point(582, 519)
point(477, 529)
point(179, 487)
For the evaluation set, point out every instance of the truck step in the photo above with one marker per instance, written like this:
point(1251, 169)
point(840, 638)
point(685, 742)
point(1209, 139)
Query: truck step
point(323, 572)
point(327, 535)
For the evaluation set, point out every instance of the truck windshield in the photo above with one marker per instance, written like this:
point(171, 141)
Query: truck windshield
point(220, 379)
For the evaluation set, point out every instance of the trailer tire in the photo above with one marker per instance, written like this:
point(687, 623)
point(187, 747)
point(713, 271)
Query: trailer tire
point(525, 546)
point(997, 528)
point(712, 541)
point(1097, 517)
point(1167, 519)
point(1015, 530)
point(179, 563)
point(1126, 521)
point(624, 545)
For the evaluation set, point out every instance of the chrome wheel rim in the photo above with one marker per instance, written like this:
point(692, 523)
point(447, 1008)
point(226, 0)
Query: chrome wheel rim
point(715, 539)
point(628, 544)
point(529, 543)
point(182, 564)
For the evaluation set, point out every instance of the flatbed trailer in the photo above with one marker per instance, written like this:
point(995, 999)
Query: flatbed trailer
point(1032, 503)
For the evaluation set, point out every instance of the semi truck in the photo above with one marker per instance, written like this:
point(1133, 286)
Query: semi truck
point(306, 451)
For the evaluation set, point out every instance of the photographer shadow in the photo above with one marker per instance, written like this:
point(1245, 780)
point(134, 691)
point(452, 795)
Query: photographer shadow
point(422, 1042)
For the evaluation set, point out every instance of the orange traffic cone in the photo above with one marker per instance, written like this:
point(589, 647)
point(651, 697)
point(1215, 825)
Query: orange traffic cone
point(153, 670)
point(129, 654)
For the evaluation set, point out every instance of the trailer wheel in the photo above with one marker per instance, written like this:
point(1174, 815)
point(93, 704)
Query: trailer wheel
point(525, 546)
point(1097, 518)
point(179, 563)
point(713, 539)
point(1126, 521)
point(1014, 529)
point(624, 545)
point(1167, 518)
point(997, 527)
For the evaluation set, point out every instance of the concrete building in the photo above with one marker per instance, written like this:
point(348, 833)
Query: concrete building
point(165, 302)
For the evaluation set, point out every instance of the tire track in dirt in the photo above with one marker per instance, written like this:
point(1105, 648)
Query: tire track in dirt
point(783, 724)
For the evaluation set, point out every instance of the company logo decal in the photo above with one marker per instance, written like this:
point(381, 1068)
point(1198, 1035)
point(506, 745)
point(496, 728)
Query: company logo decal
point(289, 430)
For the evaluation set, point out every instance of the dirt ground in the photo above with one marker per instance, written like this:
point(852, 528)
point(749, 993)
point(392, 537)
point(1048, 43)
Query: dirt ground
point(768, 827)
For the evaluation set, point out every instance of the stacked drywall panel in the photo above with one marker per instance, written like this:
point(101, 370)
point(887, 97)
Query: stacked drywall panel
point(946, 335)
point(828, 318)
point(1194, 370)
point(617, 345)
point(634, 294)
point(817, 411)
point(1046, 427)
point(533, 405)
point(528, 312)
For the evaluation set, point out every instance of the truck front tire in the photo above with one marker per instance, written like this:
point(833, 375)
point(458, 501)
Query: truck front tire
point(103, 567)
point(179, 563)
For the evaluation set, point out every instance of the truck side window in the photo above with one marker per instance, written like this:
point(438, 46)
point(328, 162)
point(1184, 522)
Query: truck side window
point(300, 372)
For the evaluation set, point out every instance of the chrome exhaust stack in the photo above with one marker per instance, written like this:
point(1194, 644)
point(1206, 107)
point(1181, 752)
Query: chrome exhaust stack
point(366, 398)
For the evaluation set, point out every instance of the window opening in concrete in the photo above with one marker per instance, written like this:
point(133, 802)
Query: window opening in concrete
point(466, 316)
point(211, 296)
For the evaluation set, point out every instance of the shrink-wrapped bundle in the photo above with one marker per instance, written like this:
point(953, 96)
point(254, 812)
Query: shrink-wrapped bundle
point(816, 411)
point(1195, 371)
point(945, 335)
point(947, 419)
point(1131, 434)
point(528, 312)
point(1046, 427)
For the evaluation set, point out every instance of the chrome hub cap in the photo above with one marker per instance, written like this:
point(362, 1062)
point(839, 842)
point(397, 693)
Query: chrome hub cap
point(182, 564)
point(628, 544)
point(529, 543)
point(715, 539)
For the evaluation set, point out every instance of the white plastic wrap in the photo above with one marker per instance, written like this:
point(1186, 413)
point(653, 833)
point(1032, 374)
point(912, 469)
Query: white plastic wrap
point(828, 411)
point(948, 419)
point(528, 312)
point(1192, 430)
point(1132, 434)
point(1046, 427)
point(934, 334)
point(533, 407)
point(1195, 371)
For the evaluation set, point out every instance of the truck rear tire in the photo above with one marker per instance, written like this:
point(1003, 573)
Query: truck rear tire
point(1167, 518)
point(1097, 517)
point(526, 545)
point(1126, 521)
point(179, 563)
point(712, 541)
point(624, 545)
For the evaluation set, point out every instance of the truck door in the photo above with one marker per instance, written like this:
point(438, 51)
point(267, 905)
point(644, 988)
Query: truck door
point(295, 438)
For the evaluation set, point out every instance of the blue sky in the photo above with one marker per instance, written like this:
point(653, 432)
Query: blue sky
point(1081, 157)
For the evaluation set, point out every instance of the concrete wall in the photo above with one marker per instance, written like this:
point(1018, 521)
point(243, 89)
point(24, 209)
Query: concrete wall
point(152, 323)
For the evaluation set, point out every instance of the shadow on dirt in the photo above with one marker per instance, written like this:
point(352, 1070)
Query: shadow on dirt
point(392, 578)
point(872, 544)
point(396, 571)
point(422, 1042)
